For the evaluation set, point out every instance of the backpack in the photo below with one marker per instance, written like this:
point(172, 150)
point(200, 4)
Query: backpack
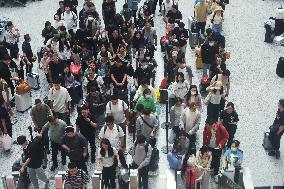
point(190, 177)
point(105, 128)
point(155, 157)
point(92, 83)
point(73, 15)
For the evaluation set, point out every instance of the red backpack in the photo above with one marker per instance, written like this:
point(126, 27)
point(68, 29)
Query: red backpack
point(164, 83)
point(190, 177)
point(75, 69)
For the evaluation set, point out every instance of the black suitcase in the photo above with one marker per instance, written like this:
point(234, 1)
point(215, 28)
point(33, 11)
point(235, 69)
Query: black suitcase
point(280, 67)
point(33, 79)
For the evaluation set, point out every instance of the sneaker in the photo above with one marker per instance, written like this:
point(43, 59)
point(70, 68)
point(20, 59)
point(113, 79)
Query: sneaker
point(272, 153)
point(277, 155)
point(216, 178)
point(53, 167)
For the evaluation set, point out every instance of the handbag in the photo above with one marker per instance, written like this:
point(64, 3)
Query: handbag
point(274, 128)
point(6, 142)
point(208, 98)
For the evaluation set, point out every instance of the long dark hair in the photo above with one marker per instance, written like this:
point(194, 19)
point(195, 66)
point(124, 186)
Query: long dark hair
point(61, 44)
point(188, 95)
point(110, 149)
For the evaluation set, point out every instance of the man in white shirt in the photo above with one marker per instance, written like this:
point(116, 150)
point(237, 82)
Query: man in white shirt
point(115, 135)
point(59, 101)
point(70, 19)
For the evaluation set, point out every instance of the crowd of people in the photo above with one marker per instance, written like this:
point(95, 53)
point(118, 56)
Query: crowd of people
point(102, 65)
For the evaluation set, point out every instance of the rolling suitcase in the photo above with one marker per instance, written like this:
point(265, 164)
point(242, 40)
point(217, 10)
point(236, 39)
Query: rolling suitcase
point(193, 39)
point(23, 102)
point(266, 142)
point(33, 80)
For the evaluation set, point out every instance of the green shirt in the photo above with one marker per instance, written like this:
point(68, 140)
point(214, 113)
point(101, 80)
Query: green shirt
point(148, 103)
point(57, 131)
point(40, 116)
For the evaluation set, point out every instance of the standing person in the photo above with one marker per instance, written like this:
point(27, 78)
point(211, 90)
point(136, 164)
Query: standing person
point(120, 112)
point(175, 115)
point(76, 178)
point(27, 52)
point(18, 63)
point(70, 19)
point(141, 155)
point(5, 72)
point(217, 20)
point(216, 96)
point(203, 163)
point(56, 128)
point(87, 127)
point(201, 13)
point(108, 11)
point(56, 68)
point(108, 157)
point(193, 96)
point(150, 37)
point(76, 147)
point(147, 101)
point(115, 135)
point(183, 68)
point(96, 103)
point(11, 38)
point(190, 121)
point(5, 120)
point(182, 36)
point(174, 158)
point(277, 130)
point(215, 137)
point(229, 119)
point(48, 32)
point(59, 101)
point(174, 14)
point(208, 53)
point(180, 86)
point(133, 5)
point(146, 124)
point(39, 114)
point(33, 156)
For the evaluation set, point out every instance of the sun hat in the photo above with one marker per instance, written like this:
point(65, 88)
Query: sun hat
point(218, 8)
point(218, 85)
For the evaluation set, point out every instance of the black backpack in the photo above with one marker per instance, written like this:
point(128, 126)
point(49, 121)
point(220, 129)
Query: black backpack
point(280, 67)
point(155, 157)
point(92, 83)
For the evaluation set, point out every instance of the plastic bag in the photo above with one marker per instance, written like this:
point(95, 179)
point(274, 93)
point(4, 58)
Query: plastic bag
point(7, 142)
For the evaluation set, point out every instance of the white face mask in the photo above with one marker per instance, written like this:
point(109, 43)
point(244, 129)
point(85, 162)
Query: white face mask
point(193, 92)
point(145, 66)
point(147, 96)
point(211, 44)
point(147, 58)
point(90, 18)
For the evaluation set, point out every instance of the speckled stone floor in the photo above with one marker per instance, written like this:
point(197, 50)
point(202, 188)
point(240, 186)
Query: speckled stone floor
point(255, 88)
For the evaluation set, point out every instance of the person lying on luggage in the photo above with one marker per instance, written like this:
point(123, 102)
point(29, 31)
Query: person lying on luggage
point(76, 178)
point(141, 154)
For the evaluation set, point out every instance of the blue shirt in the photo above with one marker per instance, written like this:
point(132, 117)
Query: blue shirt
point(233, 157)
point(174, 161)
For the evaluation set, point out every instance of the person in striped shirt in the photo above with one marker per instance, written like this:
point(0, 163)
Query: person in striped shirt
point(76, 178)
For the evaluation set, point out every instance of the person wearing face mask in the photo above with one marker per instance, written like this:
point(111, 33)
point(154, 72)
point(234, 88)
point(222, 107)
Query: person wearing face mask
point(203, 163)
point(233, 159)
point(141, 155)
point(144, 71)
point(208, 52)
point(193, 96)
point(93, 25)
point(180, 86)
point(190, 121)
point(144, 84)
point(146, 124)
point(175, 115)
point(147, 101)
point(215, 137)
point(229, 118)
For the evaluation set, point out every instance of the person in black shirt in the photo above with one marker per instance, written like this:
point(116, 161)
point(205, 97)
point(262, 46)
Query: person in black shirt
point(277, 130)
point(229, 119)
point(83, 35)
point(5, 120)
point(174, 14)
point(33, 155)
point(61, 9)
point(27, 51)
point(114, 41)
point(96, 103)
point(182, 36)
point(118, 74)
point(143, 72)
point(108, 11)
point(5, 72)
point(48, 32)
point(86, 126)
point(56, 68)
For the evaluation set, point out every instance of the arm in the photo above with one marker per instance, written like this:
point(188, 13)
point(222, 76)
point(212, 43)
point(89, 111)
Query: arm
point(4, 126)
point(25, 165)
point(34, 122)
point(147, 159)
point(113, 79)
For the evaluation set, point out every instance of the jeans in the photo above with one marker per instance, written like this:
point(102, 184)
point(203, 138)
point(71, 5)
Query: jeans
point(108, 177)
point(201, 27)
point(36, 174)
point(92, 141)
point(216, 157)
point(143, 177)
point(55, 147)
point(217, 28)
point(231, 129)
point(213, 111)
point(205, 68)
